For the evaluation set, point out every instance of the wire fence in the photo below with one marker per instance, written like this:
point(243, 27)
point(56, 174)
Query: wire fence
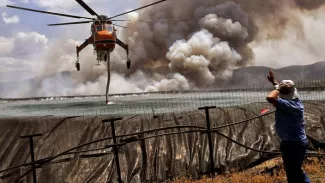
point(152, 103)
point(161, 135)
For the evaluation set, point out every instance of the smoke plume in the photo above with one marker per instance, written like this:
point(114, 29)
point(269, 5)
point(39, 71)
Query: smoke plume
point(217, 37)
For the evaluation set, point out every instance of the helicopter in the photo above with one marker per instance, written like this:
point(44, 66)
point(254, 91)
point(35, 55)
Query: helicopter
point(103, 34)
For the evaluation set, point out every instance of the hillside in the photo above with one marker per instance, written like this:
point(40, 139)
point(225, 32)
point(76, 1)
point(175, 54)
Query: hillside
point(249, 76)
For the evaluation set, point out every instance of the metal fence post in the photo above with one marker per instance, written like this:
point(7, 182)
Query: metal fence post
point(32, 155)
point(144, 158)
point(207, 116)
point(115, 149)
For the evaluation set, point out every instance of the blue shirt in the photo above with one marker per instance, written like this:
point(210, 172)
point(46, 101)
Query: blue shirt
point(289, 120)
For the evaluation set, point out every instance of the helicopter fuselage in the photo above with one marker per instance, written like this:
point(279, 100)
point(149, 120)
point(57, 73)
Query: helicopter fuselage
point(104, 37)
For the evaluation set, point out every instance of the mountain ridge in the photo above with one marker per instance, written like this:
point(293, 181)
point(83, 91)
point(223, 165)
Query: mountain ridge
point(256, 75)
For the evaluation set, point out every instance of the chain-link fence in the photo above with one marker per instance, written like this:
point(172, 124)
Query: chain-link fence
point(152, 103)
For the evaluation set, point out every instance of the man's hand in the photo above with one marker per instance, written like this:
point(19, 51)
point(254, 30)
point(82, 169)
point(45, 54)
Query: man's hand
point(271, 77)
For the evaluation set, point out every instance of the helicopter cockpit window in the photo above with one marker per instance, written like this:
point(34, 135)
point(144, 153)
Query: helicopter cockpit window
point(109, 28)
point(99, 27)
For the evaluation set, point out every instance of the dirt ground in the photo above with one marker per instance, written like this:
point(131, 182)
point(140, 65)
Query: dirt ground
point(268, 172)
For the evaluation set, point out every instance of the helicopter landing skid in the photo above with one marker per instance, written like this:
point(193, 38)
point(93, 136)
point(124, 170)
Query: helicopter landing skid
point(77, 64)
point(128, 63)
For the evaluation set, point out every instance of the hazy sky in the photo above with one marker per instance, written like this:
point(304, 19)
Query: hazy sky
point(13, 20)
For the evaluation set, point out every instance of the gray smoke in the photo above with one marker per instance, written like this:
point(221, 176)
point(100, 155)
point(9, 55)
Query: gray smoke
point(309, 4)
point(216, 39)
point(202, 58)
point(176, 82)
point(202, 49)
point(224, 28)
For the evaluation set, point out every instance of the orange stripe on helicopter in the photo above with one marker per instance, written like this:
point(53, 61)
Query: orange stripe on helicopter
point(105, 40)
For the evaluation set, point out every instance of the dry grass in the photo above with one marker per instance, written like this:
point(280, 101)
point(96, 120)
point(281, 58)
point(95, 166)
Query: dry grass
point(269, 172)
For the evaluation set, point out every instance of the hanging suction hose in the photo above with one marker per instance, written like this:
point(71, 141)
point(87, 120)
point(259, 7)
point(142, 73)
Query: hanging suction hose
point(108, 76)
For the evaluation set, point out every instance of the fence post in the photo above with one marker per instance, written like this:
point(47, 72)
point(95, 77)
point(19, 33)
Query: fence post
point(207, 116)
point(32, 155)
point(115, 149)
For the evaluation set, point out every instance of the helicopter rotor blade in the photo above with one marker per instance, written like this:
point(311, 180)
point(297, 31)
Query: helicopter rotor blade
point(120, 26)
point(161, 20)
point(137, 9)
point(47, 12)
point(70, 23)
point(149, 20)
point(120, 20)
point(86, 7)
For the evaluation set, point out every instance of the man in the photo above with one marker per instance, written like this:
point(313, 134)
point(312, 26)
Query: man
point(290, 127)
